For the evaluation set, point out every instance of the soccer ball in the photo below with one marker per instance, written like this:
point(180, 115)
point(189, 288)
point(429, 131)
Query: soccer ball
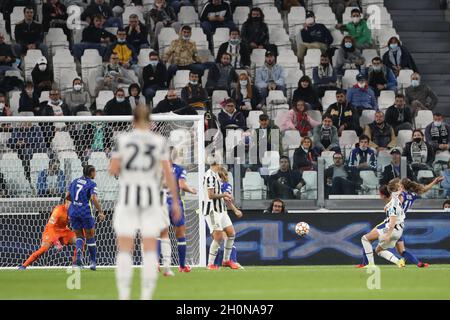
point(302, 229)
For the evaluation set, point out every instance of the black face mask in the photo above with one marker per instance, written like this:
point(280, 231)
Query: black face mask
point(417, 140)
point(256, 19)
point(324, 65)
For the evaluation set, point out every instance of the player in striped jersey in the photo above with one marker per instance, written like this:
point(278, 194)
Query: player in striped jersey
point(141, 159)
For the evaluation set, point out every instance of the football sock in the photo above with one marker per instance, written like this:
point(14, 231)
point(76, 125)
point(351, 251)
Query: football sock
point(218, 257)
point(410, 257)
point(35, 255)
point(388, 256)
point(364, 260)
point(92, 249)
point(149, 274)
point(368, 250)
point(182, 251)
point(233, 256)
point(166, 251)
point(79, 245)
point(213, 251)
point(227, 248)
point(124, 274)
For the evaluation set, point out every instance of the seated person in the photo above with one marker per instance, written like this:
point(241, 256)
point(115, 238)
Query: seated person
point(114, 76)
point(298, 119)
point(380, 77)
point(265, 138)
point(155, 76)
point(420, 96)
point(29, 99)
point(163, 16)
point(77, 99)
point(54, 15)
point(343, 114)
point(100, 7)
point(338, 7)
point(276, 206)
point(255, 31)
point(124, 50)
point(55, 106)
point(325, 136)
point(239, 50)
point(419, 153)
point(361, 96)
point(244, 94)
point(134, 96)
point(358, 29)
point(221, 76)
point(119, 105)
point(399, 116)
point(306, 92)
point(7, 57)
point(305, 156)
point(51, 182)
point(42, 76)
point(348, 57)
point(230, 118)
point(172, 103)
point(340, 178)
point(29, 34)
point(398, 57)
point(136, 33)
point(446, 186)
point(392, 170)
point(324, 76)
point(285, 183)
point(269, 77)
point(380, 133)
point(362, 156)
point(437, 133)
point(194, 94)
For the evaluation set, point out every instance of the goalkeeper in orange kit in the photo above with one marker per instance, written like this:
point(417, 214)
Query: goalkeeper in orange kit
point(56, 233)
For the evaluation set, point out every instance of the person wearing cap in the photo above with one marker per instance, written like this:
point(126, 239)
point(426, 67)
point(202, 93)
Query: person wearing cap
point(154, 75)
point(361, 96)
point(42, 76)
point(348, 57)
point(380, 133)
point(392, 170)
point(29, 34)
point(437, 133)
point(358, 29)
point(269, 77)
point(343, 114)
point(77, 99)
point(399, 116)
point(419, 153)
point(314, 36)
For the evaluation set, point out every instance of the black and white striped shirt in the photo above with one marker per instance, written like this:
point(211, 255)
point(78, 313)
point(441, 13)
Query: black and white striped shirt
point(211, 180)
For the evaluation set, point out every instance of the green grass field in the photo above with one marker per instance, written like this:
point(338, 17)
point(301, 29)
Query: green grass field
point(300, 282)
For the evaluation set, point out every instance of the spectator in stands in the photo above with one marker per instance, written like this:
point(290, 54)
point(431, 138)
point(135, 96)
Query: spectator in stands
point(113, 75)
point(100, 7)
point(51, 181)
point(5, 109)
point(305, 156)
point(446, 204)
point(358, 29)
point(172, 103)
point(437, 133)
point(42, 75)
point(392, 170)
point(338, 7)
point(119, 105)
point(285, 183)
point(265, 138)
point(239, 50)
point(420, 96)
point(306, 92)
point(324, 76)
point(418, 152)
point(134, 96)
point(77, 99)
point(7, 7)
point(398, 57)
point(325, 136)
point(340, 178)
point(362, 156)
point(361, 96)
point(194, 94)
point(244, 94)
point(446, 186)
point(381, 134)
point(93, 37)
point(7, 58)
point(348, 57)
point(55, 106)
point(177, 4)
point(183, 55)
point(255, 31)
point(29, 34)
point(3, 187)
point(343, 114)
point(222, 76)
point(27, 139)
point(399, 116)
point(215, 14)
point(163, 16)
point(314, 36)
point(298, 119)
point(276, 206)
point(136, 33)
point(29, 99)
point(230, 118)
point(54, 15)
point(269, 77)
point(124, 50)
point(380, 77)
point(155, 76)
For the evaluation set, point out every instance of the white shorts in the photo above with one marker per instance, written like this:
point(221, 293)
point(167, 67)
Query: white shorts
point(127, 221)
point(396, 234)
point(217, 221)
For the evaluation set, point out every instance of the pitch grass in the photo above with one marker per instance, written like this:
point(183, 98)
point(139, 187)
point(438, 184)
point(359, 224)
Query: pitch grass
point(299, 282)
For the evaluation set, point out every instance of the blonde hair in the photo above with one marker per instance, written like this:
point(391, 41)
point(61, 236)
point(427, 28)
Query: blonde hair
point(141, 115)
point(223, 174)
point(394, 185)
point(412, 186)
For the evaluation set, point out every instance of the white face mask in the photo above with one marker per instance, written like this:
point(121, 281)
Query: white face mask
point(153, 62)
point(193, 82)
point(361, 84)
point(121, 40)
point(437, 123)
point(42, 67)
point(447, 209)
point(2, 105)
point(77, 87)
point(120, 99)
point(415, 83)
point(243, 83)
point(363, 148)
point(187, 38)
point(356, 20)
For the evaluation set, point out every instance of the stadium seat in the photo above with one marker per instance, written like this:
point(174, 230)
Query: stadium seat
point(91, 68)
point(272, 17)
point(258, 57)
point(129, 10)
point(15, 18)
point(296, 17)
point(384, 158)
point(191, 180)
point(347, 16)
point(143, 57)
point(337, 38)
point(37, 164)
point(348, 138)
point(325, 16)
point(108, 186)
point(291, 80)
point(188, 16)
point(179, 138)
point(180, 79)
point(403, 137)
point(423, 118)
point(367, 117)
point(253, 186)
point(328, 157)
point(270, 162)
point(70, 164)
point(279, 37)
point(160, 95)
point(309, 191)
point(328, 99)
point(199, 37)
point(368, 55)
point(275, 97)
point(315, 114)
point(312, 59)
point(253, 119)
point(386, 99)
point(222, 35)
point(165, 37)
point(103, 97)
point(240, 15)
point(217, 97)
point(62, 142)
point(14, 176)
point(99, 160)
point(369, 181)
point(30, 60)
point(45, 96)
point(14, 102)
point(404, 79)
point(291, 140)
point(278, 119)
point(349, 79)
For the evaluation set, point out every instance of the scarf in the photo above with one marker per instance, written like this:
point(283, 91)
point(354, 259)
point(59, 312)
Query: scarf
point(395, 56)
point(439, 134)
point(325, 72)
point(303, 125)
point(419, 152)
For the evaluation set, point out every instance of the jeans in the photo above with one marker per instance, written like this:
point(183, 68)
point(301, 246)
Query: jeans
point(150, 92)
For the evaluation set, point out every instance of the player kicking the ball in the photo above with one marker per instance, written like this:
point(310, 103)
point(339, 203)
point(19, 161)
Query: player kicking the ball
point(82, 193)
point(140, 160)
point(56, 233)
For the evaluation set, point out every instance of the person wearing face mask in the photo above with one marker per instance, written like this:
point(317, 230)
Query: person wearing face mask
point(222, 76)
point(255, 31)
point(134, 96)
point(380, 77)
point(419, 153)
point(381, 134)
point(114, 75)
point(239, 50)
point(420, 96)
point(194, 94)
point(338, 7)
point(77, 99)
point(324, 76)
point(155, 76)
point(163, 16)
point(348, 57)
point(363, 157)
point(55, 106)
point(305, 156)
point(5, 109)
point(125, 51)
point(437, 133)
point(42, 75)
point(269, 77)
point(314, 36)
point(446, 205)
point(358, 29)
point(399, 116)
point(343, 114)
point(392, 170)
point(244, 94)
point(398, 57)
point(361, 96)
point(29, 99)
point(119, 105)
point(325, 136)
point(306, 92)
point(340, 178)
point(172, 103)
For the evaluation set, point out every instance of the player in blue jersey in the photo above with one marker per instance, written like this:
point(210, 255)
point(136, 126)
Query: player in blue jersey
point(83, 193)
